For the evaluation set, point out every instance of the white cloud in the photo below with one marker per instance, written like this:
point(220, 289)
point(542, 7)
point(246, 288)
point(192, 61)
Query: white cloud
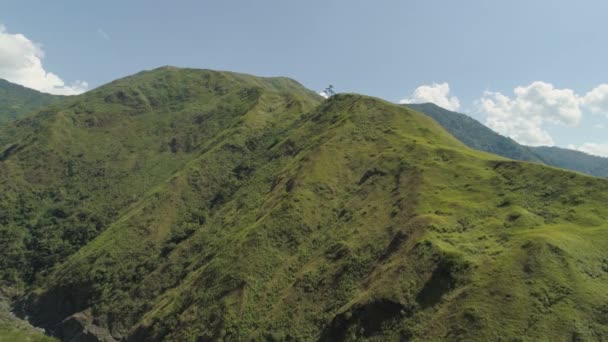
point(596, 101)
point(21, 63)
point(437, 93)
point(523, 116)
point(596, 149)
point(324, 94)
point(103, 34)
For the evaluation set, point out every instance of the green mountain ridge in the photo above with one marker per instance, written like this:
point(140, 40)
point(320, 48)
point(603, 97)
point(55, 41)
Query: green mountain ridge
point(475, 135)
point(17, 101)
point(194, 205)
point(573, 160)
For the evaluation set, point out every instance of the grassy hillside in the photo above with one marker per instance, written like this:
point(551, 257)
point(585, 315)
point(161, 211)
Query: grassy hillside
point(16, 100)
point(475, 135)
point(10, 332)
point(69, 172)
point(193, 205)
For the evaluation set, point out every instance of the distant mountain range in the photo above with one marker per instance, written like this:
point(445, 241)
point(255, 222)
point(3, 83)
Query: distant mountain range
point(475, 135)
point(16, 100)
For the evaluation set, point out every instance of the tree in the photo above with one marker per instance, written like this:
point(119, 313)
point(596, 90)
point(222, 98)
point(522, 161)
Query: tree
point(329, 91)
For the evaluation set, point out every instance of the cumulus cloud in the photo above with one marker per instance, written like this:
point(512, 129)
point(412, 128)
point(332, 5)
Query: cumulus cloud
point(523, 116)
point(596, 149)
point(596, 101)
point(21, 63)
point(324, 95)
point(437, 93)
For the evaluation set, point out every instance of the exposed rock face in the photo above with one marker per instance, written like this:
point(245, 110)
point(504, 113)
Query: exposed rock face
point(22, 329)
point(80, 328)
point(366, 318)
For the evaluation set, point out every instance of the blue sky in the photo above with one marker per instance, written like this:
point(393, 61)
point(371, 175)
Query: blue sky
point(553, 52)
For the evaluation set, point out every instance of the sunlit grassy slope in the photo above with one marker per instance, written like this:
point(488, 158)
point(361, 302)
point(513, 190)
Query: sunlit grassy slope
point(291, 219)
point(13, 329)
point(71, 170)
point(10, 333)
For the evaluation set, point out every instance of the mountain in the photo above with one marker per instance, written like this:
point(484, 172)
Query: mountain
point(16, 100)
point(475, 135)
point(573, 160)
point(183, 204)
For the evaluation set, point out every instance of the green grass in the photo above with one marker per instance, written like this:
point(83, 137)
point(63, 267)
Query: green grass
point(13, 329)
point(293, 218)
point(9, 333)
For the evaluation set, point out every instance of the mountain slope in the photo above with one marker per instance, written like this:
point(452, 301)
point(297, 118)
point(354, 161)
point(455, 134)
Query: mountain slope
point(289, 218)
point(16, 100)
point(69, 171)
point(573, 160)
point(475, 135)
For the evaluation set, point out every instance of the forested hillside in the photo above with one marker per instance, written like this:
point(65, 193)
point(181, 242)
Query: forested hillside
point(17, 101)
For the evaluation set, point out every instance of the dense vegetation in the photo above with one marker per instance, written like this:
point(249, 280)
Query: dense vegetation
point(181, 204)
point(16, 101)
point(475, 135)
